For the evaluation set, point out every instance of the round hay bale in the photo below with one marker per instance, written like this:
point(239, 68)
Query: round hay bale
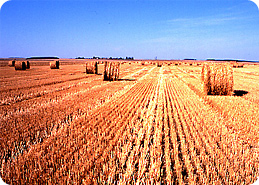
point(28, 66)
point(217, 79)
point(54, 65)
point(91, 67)
point(237, 64)
point(240, 65)
point(105, 72)
point(11, 63)
point(204, 73)
point(159, 64)
point(117, 71)
point(111, 71)
point(20, 65)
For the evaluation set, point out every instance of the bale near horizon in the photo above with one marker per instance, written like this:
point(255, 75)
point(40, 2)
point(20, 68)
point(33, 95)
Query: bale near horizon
point(28, 66)
point(217, 79)
point(20, 65)
point(111, 71)
point(11, 63)
point(54, 65)
point(91, 67)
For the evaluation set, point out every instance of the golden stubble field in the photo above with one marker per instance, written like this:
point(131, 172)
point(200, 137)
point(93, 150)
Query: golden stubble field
point(153, 126)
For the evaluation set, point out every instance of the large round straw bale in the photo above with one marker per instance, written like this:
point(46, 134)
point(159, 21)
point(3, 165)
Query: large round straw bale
point(217, 79)
point(28, 65)
point(105, 71)
point(117, 71)
point(237, 64)
point(20, 65)
point(205, 77)
point(54, 64)
point(91, 67)
point(241, 65)
point(111, 71)
point(159, 64)
point(11, 63)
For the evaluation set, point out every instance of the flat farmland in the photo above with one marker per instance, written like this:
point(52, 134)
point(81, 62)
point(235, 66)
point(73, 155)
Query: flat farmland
point(152, 126)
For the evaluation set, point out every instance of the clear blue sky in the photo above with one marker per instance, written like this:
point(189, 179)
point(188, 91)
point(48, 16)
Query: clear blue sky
point(166, 29)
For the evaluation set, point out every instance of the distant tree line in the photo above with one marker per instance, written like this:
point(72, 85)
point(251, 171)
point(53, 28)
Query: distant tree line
point(114, 58)
point(225, 60)
point(189, 59)
point(42, 58)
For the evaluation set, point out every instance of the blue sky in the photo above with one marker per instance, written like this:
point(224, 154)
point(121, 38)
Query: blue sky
point(166, 29)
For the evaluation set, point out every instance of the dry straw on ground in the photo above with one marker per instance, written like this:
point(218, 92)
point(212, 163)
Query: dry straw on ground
point(217, 79)
point(91, 67)
point(54, 65)
point(20, 65)
point(111, 71)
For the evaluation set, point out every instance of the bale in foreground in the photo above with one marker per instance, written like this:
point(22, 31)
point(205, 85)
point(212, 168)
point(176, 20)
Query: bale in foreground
point(217, 79)
point(111, 71)
point(20, 65)
point(91, 67)
point(54, 65)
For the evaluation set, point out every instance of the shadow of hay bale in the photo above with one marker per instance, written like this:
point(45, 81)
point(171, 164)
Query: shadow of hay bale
point(127, 79)
point(240, 92)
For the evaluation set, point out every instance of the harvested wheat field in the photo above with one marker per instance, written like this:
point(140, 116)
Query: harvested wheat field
point(153, 125)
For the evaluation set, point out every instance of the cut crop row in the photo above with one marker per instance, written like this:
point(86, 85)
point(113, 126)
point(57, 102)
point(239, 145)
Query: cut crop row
point(220, 152)
point(73, 134)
